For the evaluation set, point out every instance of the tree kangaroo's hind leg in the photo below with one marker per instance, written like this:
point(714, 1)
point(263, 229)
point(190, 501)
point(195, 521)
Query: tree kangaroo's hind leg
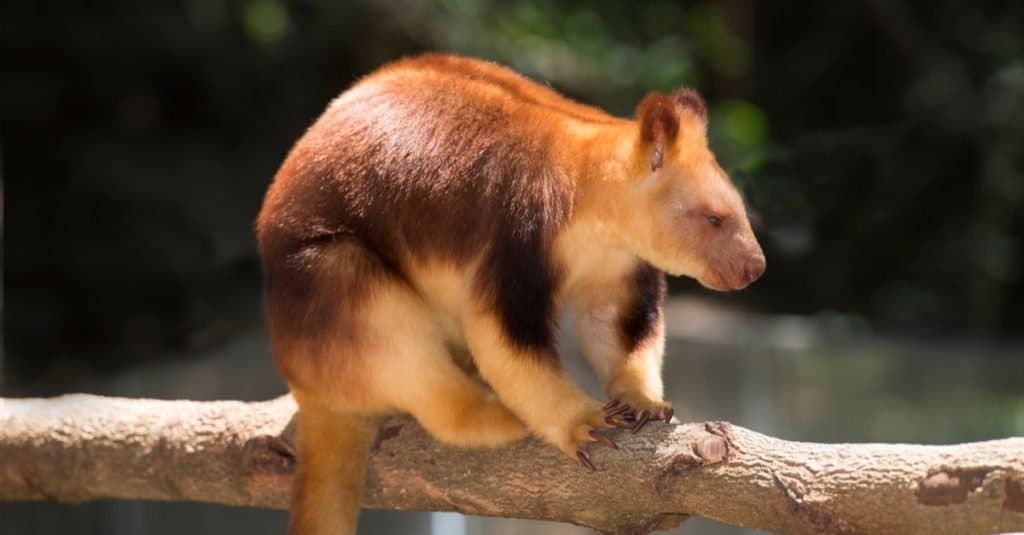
point(355, 343)
point(416, 373)
point(529, 380)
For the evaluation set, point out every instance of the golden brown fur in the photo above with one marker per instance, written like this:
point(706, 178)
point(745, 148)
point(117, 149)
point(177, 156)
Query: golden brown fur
point(422, 235)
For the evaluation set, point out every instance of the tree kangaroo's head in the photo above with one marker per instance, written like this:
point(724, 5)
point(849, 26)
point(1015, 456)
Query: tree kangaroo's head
point(682, 213)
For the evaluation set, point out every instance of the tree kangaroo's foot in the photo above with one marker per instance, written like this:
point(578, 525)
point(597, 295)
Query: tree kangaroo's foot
point(583, 433)
point(633, 412)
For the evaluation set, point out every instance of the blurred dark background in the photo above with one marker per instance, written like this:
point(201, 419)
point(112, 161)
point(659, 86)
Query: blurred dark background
point(880, 144)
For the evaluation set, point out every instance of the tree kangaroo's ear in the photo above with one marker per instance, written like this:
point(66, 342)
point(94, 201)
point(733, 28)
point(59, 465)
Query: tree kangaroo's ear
point(659, 117)
point(690, 101)
point(659, 124)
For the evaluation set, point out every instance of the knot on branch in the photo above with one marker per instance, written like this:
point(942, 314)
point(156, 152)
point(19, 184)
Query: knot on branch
point(717, 447)
point(714, 448)
point(268, 455)
point(947, 487)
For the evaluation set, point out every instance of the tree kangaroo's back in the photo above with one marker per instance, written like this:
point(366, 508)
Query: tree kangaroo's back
point(420, 239)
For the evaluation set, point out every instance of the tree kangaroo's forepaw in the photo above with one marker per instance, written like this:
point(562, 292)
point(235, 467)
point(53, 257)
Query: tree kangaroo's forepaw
point(585, 434)
point(633, 413)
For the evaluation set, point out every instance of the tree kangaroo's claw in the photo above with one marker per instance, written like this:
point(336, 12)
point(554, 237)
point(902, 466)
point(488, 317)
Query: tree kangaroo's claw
point(641, 421)
point(584, 458)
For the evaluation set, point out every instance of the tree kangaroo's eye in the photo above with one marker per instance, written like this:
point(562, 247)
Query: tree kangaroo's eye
point(715, 220)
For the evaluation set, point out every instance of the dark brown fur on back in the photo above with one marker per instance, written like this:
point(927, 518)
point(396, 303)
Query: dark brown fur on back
point(420, 172)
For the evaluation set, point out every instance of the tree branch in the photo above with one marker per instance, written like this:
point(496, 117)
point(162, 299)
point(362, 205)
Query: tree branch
point(80, 447)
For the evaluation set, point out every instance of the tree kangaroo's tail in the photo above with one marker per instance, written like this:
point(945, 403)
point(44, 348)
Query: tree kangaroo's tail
point(333, 450)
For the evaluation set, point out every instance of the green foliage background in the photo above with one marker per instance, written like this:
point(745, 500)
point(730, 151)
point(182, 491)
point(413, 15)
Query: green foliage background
point(881, 145)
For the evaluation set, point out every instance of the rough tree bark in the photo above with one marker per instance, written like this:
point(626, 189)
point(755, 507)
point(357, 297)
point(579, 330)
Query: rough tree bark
point(80, 447)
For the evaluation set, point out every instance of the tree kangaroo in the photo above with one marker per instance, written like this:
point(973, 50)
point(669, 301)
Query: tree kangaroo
point(422, 236)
